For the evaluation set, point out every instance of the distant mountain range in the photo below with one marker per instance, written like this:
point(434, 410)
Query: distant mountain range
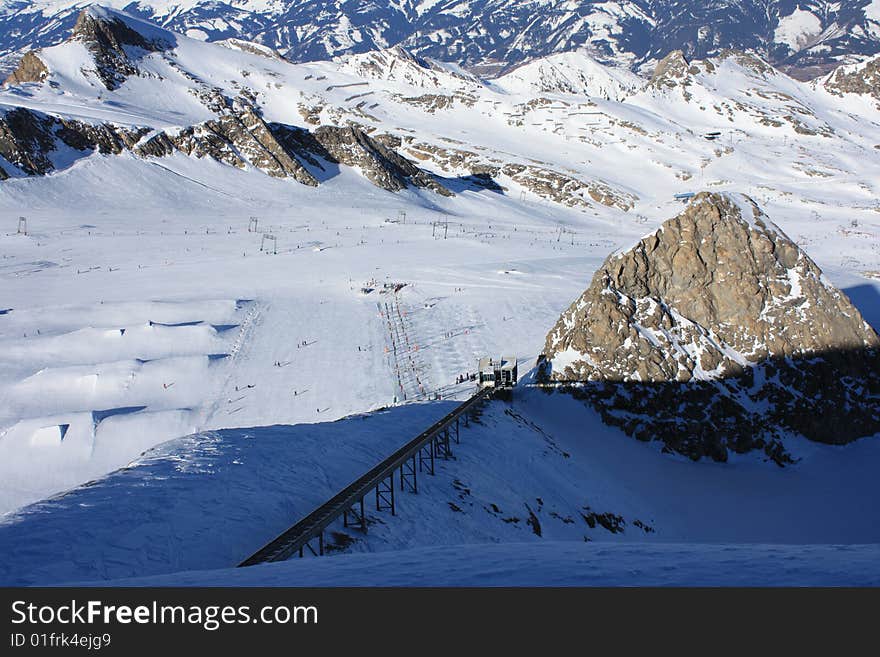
point(488, 37)
point(120, 84)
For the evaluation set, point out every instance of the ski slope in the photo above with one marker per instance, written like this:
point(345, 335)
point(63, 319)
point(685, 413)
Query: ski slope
point(139, 313)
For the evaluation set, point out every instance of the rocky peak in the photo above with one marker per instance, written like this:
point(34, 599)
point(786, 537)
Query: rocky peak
point(671, 70)
point(713, 289)
point(30, 69)
point(114, 43)
point(719, 294)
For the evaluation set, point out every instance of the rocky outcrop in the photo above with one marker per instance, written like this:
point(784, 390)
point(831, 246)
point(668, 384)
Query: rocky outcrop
point(113, 44)
point(862, 79)
point(432, 103)
point(748, 61)
point(28, 139)
point(542, 181)
point(30, 69)
point(672, 70)
point(381, 165)
point(238, 136)
point(566, 189)
point(720, 308)
point(251, 140)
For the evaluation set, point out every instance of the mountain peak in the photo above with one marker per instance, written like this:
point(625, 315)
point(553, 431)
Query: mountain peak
point(721, 265)
point(397, 64)
point(109, 35)
point(112, 29)
point(721, 311)
point(672, 68)
point(571, 73)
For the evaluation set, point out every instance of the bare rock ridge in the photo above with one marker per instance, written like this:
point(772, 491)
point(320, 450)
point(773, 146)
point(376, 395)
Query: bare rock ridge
point(353, 147)
point(30, 69)
point(863, 79)
point(238, 136)
point(28, 139)
point(718, 313)
point(113, 44)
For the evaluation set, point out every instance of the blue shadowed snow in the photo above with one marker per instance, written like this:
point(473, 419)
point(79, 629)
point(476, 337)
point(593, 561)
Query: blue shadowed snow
point(527, 472)
point(867, 299)
point(562, 564)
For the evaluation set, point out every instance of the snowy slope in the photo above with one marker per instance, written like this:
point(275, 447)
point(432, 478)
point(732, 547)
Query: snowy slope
point(563, 563)
point(546, 151)
point(144, 303)
point(208, 501)
point(572, 73)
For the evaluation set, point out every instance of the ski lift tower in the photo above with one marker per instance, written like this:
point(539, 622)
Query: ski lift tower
point(264, 243)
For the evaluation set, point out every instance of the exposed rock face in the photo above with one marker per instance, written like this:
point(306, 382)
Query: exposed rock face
point(720, 295)
point(566, 189)
point(28, 139)
point(859, 79)
point(30, 69)
point(384, 167)
point(672, 68)
point(253, 142)
point(540, 180)
point(238, 136)
point(111, 43)
point(432, 103)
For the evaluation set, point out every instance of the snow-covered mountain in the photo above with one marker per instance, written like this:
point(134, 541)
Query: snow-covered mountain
point(120, 84)
point(489, 36)
point(571, 73)
point(233, 282)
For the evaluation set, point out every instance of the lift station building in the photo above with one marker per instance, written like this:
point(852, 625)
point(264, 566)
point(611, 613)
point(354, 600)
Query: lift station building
point(498, 372)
